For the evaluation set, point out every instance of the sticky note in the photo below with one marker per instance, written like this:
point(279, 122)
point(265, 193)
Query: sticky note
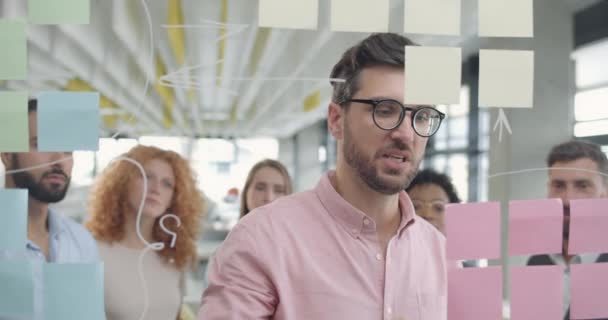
point(68, 121)
point(537, 292)
point(13, 56)
point(588, 291)
point(506, 78)
point(432, 75)
point(59, 11)
point(73, 291)
point(360, 15)
point(588, 226)
point(13, 210)
point(475, 294)
point(14, 128)
point(535, 227)
point(439, 17)
point(290, 14)
point(506, 18)
point(17, 289)
point(473, 231)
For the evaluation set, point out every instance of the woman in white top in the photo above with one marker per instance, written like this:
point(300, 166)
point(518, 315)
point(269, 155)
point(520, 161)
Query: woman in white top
point(115, 201)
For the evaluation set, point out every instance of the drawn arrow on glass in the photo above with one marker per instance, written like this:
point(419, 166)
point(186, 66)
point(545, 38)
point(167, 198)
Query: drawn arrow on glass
point(502, 122)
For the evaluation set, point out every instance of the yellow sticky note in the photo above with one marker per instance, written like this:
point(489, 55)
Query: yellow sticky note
point(506, 78)
point(432, 75)
point(13, 56)
point(59, 11)
point(441, 17)
point(360, 15)
point(506, 18)
point(290, 14)
point(14, 129)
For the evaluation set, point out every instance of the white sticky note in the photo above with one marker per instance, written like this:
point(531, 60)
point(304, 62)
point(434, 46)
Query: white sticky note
point(360, 15)
point(432, 75)
point(506, 18)
point(432, 17)
point(506, 78)
point(290, 14)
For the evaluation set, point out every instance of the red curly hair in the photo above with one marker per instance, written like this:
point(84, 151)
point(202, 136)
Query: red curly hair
point(108, 204)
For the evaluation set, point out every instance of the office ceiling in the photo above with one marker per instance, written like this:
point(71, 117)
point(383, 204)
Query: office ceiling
point(209, 71)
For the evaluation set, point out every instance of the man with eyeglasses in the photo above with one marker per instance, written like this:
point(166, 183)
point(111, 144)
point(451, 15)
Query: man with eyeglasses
point(351, 248)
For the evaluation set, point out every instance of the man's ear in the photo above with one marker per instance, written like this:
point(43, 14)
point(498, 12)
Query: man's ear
point(335, 120)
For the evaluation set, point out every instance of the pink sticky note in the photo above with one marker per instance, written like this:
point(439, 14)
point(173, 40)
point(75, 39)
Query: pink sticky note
point(473, 231)
point(535, 226)
point(588, 291)
point(475, 294)
point(537, 292)
point(588, 226)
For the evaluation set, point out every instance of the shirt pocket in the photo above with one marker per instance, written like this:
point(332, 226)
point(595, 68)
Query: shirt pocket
point(433, 306)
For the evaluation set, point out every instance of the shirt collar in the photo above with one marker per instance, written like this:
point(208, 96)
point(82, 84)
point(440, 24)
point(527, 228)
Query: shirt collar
point(354, 220)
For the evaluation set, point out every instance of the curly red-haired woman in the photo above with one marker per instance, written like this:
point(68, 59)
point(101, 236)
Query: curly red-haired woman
point(114, 204)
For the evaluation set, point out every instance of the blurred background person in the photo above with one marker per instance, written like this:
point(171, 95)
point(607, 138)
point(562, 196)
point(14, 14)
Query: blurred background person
point(115, 200)
point(430, 192)
point(577, 170)
point(267, 181)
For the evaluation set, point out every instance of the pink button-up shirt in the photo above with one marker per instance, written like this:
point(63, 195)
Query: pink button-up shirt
point(312, 255)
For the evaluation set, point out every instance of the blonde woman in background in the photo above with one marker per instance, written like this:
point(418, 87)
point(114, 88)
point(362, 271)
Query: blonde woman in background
point(115, 200)
point(267, 181)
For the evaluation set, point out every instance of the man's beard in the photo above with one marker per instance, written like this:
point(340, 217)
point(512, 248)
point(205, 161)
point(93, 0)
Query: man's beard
point(369, 173)
point(52, 194)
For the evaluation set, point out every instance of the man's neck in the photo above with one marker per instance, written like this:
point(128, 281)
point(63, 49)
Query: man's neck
point(37, 218)
point(382, 208)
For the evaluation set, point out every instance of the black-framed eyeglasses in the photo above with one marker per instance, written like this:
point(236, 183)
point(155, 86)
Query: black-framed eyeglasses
point(388, 114)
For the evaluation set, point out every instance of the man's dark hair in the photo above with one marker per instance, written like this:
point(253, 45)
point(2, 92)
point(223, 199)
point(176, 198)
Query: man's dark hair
point(32, 105)
point(575, 150)
point(430, 176)
point(379, 49)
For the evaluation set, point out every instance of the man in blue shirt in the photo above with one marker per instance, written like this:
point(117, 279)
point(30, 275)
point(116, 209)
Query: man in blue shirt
point(51, 237)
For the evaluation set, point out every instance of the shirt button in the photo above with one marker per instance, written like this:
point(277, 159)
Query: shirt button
point(378, 257)
point(366, 221)
point(389, 310)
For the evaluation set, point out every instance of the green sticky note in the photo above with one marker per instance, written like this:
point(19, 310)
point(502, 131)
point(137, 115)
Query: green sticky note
point(17, 289)
point(14, 133)
point(59, 11)
point(73, 291)
point(13, 226)
point(13, 56)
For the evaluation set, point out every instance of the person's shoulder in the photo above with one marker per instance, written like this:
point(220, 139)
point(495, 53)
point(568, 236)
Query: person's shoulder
point(78, 230)
point(427, 229)
point(80, 236)
point(297, 204)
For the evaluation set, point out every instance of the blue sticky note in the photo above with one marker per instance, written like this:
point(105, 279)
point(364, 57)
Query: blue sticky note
point(13, 56)
point(13, 226)
point(16, 289)
point(68, 121)
point(59, 11)
point(73, 291)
